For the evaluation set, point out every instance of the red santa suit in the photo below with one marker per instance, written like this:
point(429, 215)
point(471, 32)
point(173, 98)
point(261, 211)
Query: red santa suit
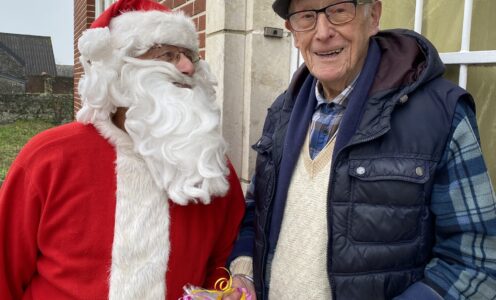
point(58, 216)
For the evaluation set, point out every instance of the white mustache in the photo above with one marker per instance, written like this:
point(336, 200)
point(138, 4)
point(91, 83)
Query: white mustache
point(176, 130)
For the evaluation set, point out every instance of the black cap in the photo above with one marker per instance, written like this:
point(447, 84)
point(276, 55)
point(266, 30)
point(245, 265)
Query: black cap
point(281, 7)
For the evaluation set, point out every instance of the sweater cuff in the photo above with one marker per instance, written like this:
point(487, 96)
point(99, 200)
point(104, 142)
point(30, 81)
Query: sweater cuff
point(419, 290)
point(242, 265)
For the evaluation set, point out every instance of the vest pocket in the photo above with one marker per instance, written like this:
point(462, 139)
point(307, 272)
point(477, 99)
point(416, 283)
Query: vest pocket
point(387, 199)
point(383, 223)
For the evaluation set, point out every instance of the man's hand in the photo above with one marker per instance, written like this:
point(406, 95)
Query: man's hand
point(240, 282)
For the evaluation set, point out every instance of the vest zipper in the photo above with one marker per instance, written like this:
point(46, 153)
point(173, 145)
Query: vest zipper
point(330, 187)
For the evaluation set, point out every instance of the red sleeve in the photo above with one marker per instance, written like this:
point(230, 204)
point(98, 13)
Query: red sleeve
point(225, 243)
point(20, 209)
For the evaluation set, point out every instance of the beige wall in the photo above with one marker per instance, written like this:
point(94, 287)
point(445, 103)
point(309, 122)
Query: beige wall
point(251, 69)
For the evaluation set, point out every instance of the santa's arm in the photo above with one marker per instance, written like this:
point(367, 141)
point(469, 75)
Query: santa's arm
point(20, 209)
point(225, 242)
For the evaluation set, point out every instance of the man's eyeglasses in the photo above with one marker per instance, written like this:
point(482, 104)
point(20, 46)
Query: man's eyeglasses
point(172, 54)
point(337, 13)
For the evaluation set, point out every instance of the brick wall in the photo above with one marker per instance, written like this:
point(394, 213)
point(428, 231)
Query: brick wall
point(84, 14)
point(53, 108)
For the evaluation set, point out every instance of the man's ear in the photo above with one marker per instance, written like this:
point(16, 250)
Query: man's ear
point(375, 16)
point(287, 25)
point(293, 33)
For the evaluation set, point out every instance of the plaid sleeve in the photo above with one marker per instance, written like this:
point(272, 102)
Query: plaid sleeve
point(463, 202)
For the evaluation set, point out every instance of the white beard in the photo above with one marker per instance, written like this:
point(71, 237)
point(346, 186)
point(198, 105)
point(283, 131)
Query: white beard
point(174, 129)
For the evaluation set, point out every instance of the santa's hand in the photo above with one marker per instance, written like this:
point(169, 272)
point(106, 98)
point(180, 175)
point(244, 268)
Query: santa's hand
point(241, 283)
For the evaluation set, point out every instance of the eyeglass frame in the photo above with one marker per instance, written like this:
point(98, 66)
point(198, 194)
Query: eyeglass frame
point(190, 54)
point(323, 10)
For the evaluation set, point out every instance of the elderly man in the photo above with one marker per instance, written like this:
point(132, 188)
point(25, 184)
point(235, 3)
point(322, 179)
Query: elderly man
point(369, 182)
point(137, 198)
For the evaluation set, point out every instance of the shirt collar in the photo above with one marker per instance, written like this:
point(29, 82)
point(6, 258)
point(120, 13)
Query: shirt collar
point(341, 99)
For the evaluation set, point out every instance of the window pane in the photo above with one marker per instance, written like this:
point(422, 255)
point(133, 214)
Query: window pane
point(99, 7)
point(483, 25)
point(481, 85)
point(452, 73)
point(442, 24)
point(395, 15)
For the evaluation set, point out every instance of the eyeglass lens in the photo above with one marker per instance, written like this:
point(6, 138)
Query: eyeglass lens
point(173, 54)
point(338, 13)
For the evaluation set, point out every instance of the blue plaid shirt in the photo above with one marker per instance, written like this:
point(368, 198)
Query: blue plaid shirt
point(464, 204)
point(326, 118)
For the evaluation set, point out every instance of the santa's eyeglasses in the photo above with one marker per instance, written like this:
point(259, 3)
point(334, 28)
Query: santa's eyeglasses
point(172, 54)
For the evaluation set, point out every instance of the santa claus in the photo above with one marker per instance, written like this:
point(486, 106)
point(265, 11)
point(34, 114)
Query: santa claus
point(136, 198)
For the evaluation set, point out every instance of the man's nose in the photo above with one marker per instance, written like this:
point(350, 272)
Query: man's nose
point(185, 65)
point(324, 27)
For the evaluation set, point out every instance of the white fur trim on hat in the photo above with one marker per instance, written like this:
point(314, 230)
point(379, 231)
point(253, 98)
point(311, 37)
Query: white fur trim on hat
point(94, 44)
point(134, 32)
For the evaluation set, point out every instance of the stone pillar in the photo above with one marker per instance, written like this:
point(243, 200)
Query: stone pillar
point(252, 69)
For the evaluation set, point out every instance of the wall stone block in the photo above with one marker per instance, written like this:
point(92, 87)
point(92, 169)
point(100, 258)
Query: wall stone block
point(57, 109)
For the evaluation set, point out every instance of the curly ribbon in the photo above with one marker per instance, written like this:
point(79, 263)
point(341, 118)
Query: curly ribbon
point(223, 286)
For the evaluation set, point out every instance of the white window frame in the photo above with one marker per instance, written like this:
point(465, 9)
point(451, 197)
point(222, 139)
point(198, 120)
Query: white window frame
point(101, 5)
point(463, 58)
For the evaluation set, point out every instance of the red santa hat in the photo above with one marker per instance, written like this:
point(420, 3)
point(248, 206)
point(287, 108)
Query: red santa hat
point(131, 27)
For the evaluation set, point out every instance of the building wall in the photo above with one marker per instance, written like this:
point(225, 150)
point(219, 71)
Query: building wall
point(84, 14)
point(49, 84)
point(63, 85)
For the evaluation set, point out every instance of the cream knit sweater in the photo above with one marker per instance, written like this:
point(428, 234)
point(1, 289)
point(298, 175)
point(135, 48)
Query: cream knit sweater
point(299, 265)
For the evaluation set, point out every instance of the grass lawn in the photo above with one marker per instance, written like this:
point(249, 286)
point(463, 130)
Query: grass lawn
point(13, 137)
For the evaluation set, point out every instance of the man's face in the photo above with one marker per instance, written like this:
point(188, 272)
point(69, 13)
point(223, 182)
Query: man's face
point(183, 59)
point(335, 54)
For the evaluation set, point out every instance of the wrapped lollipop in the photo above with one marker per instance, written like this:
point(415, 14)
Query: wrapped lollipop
point(222, 287)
